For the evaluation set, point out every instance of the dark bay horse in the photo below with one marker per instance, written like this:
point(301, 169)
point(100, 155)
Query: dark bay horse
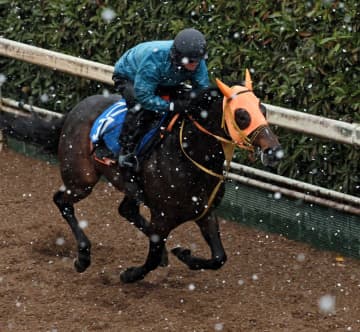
point(183, 178)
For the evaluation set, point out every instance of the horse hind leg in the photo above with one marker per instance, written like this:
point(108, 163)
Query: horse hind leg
point(65, 200)
point(209, 227)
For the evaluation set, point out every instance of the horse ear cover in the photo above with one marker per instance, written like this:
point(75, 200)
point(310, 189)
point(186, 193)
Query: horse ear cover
point(248, 81)
point(225, 89)
point(256, 119)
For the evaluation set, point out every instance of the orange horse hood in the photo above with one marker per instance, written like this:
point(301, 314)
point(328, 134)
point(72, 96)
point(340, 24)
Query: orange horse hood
point(241, 98)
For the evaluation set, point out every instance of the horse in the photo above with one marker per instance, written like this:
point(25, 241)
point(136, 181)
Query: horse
point(182, 178)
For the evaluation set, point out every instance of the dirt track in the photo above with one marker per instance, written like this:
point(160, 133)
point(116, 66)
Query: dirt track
point(268, 284)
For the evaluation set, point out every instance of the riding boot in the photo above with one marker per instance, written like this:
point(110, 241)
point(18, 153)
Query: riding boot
point(136, 125)
point(127, 159)
point(129, 169)
point(128, 141)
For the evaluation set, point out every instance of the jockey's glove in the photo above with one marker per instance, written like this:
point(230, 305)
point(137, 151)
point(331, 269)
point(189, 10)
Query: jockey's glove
point(181, 106)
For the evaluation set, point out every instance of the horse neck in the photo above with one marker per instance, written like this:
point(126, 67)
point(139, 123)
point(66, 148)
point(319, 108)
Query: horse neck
point(203, 147)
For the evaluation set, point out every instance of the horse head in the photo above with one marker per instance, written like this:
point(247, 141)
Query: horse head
point(244, 121)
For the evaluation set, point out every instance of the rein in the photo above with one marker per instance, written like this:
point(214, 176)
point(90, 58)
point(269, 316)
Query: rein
point(227, 145)
point(228, 148)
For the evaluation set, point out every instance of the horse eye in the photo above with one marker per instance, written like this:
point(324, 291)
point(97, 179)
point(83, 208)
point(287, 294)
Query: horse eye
point(263, 109)
point(242, 118)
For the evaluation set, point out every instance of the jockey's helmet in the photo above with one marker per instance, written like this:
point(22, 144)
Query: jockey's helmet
point(189, 46)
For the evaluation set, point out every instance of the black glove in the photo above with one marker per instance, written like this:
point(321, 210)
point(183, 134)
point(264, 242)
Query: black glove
point(126, 89)
point(180, 106)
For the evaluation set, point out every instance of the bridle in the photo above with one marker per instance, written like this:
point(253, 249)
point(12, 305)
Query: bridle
point(227, 145)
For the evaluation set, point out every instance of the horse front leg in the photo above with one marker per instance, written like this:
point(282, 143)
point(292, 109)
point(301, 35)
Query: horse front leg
point(209, 227)
point(66, 208)
point(130, 209)
point(157, 239)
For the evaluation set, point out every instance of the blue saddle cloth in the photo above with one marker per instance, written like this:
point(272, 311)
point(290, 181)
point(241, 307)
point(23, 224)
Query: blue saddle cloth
point(108, 126)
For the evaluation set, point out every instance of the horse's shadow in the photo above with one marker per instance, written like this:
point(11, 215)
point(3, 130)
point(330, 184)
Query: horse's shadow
point(54, 245)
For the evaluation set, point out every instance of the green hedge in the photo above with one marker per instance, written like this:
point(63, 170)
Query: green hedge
point(302, 54)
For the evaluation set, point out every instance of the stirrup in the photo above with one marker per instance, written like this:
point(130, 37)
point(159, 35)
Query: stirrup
point(129, 160)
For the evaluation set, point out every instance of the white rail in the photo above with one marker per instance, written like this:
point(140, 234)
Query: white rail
point(12, 106)
point(56, 61)
point(306, 123)
point(295, 194)
point(314, 125)
point(303, 186)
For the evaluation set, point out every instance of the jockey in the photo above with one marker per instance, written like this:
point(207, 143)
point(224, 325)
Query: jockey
point(141, 72)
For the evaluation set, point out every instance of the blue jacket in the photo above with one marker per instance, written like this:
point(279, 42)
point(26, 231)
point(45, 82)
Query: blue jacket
point(149, 65)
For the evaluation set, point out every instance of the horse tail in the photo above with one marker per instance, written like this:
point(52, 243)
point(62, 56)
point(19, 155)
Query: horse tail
point(35, 129)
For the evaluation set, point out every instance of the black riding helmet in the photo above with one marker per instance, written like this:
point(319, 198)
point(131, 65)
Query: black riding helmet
point(189, 46)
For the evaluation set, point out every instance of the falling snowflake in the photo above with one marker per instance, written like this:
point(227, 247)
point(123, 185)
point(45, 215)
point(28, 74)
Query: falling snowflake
point(191, 287)
point(44, 98)
point(108, 15)
point(155, 238)
point(277, 195)
point(219, 327)
point(83, 224)
point(300, 257)
point(327, 304)
point(60, 241)
point(240, 282)
point(2, 79)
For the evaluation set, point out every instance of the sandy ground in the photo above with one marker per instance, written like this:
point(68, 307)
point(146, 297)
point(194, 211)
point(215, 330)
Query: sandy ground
point(268, 284)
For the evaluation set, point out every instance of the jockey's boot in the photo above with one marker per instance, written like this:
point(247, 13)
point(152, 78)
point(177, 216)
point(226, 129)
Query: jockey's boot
point(129, 167)
point(127, 156)
point(131, 133)
point(136, 125)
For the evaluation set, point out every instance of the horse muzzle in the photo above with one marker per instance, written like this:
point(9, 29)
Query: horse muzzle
point(272, 156)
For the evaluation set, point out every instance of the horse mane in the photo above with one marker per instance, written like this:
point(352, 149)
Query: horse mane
point(210, 94)
point(204, 100)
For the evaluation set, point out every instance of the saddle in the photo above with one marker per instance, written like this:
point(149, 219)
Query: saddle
point(106, 131)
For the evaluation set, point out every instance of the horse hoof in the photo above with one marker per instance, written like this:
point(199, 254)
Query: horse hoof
point(132, 274)
point(81, 267)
